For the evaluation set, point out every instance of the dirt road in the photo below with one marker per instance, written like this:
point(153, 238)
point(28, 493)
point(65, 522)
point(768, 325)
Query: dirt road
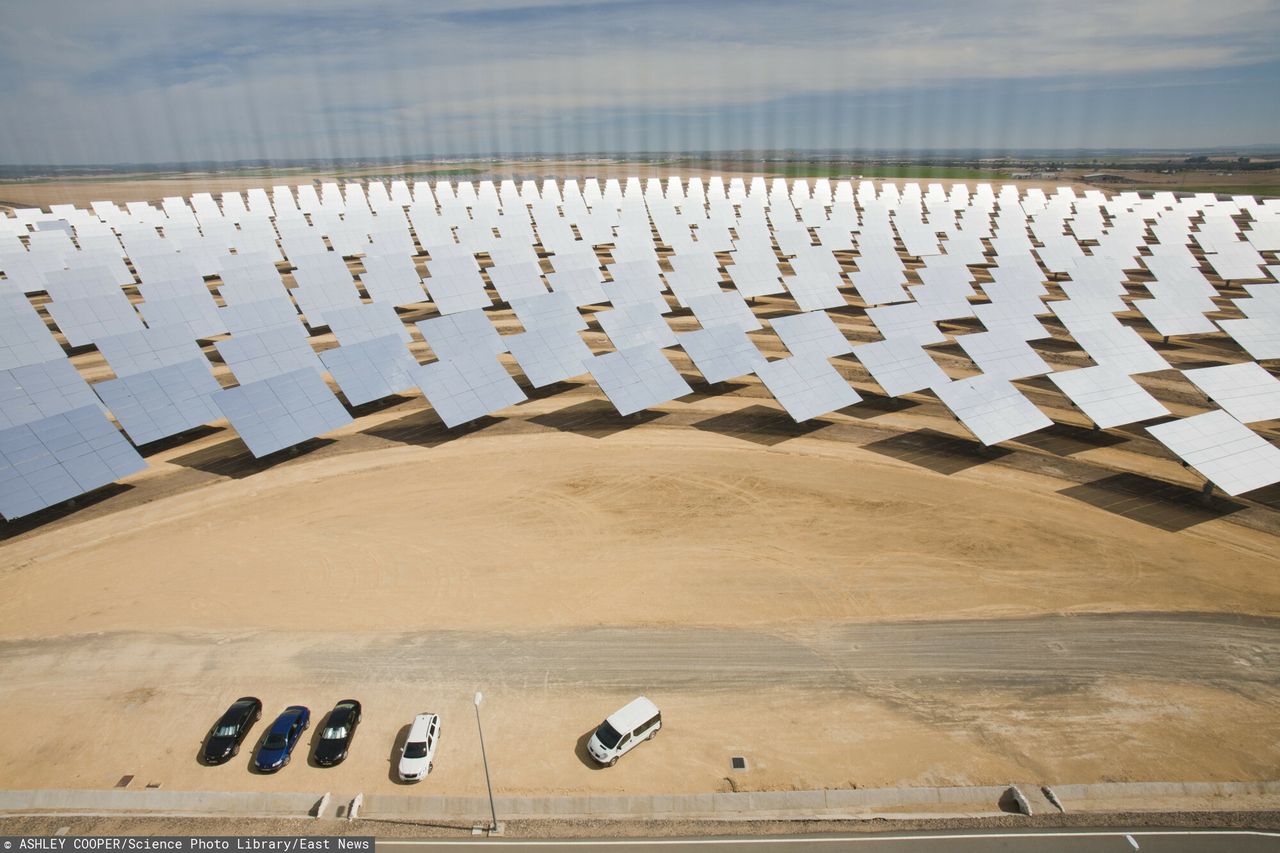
point(1037, 654)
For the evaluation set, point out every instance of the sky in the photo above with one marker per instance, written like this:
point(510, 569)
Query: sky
point(169, 81)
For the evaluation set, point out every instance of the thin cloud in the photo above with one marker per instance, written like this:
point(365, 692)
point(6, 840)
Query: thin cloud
point(162, 81)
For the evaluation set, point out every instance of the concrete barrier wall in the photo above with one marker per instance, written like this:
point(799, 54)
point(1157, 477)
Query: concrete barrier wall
point(160, 802)
point(966, 800)
point(1156, 790)
point(722, 804)
point(765, 804)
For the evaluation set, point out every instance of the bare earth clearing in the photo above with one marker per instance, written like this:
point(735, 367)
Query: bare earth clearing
point(738, 585)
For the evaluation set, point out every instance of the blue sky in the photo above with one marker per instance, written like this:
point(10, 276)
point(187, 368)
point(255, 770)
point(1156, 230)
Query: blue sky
point(165, 81)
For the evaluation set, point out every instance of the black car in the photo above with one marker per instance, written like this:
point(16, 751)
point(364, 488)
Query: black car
point(339, 729)
point(227, 734)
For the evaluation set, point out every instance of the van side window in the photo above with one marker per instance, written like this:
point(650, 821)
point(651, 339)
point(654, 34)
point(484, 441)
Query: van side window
point(647, 724)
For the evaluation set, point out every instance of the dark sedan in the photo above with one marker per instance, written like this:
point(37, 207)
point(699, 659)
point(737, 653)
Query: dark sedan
point(339, 729)
point(282, 737)
point(228, 733)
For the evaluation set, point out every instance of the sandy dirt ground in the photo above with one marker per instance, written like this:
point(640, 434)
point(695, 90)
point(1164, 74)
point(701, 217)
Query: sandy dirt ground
point(677, 528)
point(563, 573)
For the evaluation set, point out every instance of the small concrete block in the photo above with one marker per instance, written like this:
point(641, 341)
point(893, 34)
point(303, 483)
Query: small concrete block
point(601, 805)
point(846, 798)
point(728, 802)
point(662, 805)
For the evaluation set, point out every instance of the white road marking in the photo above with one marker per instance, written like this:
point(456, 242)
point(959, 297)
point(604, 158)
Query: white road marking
point(624, 842)
point(1131, 840)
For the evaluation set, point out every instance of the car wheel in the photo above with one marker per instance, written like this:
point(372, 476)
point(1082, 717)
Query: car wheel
point(235, 750)
point(431, 765)
point(653, 734)
point(613, 761)
point(287, 759)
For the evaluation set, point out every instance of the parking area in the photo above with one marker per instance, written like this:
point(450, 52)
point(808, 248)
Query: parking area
point(910, 704)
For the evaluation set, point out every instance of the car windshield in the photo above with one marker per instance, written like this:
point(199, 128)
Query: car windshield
point(416, 749)
point(334, 733)
point(275, 742)
point(225, 731)
point(607, 735)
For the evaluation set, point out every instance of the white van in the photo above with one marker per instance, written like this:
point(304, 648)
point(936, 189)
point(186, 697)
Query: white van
point(639, 720)
point(419, 750)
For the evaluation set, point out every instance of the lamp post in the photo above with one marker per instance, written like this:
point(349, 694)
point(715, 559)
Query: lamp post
point(493, 812)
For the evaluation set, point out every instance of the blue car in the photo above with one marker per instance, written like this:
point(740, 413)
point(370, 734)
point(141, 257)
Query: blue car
point(282, 737)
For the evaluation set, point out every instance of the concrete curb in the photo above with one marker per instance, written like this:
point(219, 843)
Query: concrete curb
point(186, 803)
point(851, 804)
point(1126, 791)
point(765, 805)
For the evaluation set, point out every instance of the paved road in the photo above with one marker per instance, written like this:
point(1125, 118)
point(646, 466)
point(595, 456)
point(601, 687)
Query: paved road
point(1048, 652)
point(1048, 841)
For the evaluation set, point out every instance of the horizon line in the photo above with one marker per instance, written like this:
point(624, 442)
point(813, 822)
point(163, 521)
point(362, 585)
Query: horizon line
point(780, 155)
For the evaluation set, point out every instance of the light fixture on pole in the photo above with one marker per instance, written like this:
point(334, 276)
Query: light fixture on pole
point(493, 812)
